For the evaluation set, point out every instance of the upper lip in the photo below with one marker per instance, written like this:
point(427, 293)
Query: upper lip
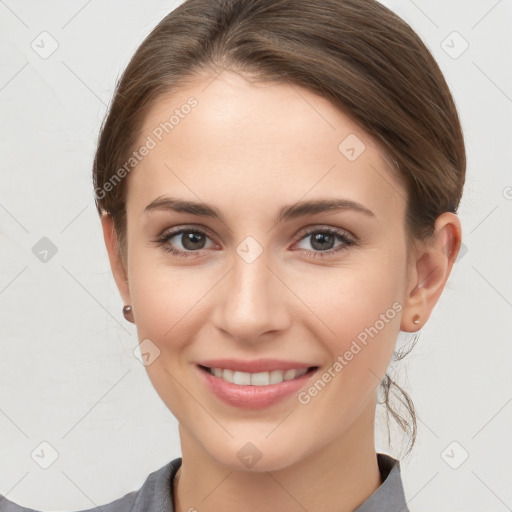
point(255, 366)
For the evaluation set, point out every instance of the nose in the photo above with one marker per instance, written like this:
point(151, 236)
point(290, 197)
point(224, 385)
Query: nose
point(252, 301)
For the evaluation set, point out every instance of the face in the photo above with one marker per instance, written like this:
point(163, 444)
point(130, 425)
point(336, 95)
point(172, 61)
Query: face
point(261, 271)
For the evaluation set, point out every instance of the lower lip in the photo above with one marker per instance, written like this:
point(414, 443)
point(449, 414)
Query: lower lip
point(253, 397)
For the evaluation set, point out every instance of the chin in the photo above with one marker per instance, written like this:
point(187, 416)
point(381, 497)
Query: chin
point(257, 455)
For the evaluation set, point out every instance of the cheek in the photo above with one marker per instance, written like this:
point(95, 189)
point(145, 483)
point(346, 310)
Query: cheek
point(167, 304)
point(360, 308)
point(169, 312)
point(364, 314)
point(171, 304)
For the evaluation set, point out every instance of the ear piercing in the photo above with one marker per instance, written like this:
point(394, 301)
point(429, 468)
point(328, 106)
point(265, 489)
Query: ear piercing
point(128, 313)
point(416, 319)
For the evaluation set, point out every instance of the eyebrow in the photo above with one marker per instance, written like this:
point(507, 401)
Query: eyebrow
point(288, 212)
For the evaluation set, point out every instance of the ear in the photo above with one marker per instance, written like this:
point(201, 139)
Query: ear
point(429, 269)
point(116, 263)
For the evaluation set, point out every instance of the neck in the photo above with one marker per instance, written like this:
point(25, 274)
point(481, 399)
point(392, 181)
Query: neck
point(338, 478)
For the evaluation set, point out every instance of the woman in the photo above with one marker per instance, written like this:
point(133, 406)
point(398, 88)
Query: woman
point(278, 183)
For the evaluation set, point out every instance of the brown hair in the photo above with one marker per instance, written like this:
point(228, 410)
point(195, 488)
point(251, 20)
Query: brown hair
point(357, 54)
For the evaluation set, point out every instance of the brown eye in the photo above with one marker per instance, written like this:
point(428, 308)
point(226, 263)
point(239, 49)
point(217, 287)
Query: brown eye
point(192, 240)
point(325, 241)
point(183, 241)
point(322, 241)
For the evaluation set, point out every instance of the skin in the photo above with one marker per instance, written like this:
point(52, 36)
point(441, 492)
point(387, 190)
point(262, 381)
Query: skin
point(249, 148)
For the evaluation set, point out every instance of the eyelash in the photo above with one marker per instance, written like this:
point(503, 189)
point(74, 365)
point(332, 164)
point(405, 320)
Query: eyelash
point(340, 235)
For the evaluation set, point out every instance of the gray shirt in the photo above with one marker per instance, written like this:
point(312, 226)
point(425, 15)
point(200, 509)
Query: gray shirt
point(155, 495)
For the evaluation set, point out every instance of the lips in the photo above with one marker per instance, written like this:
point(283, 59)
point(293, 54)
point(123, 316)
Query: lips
point(254, 384)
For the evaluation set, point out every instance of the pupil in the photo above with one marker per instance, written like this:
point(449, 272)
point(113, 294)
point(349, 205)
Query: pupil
point(189, 239)
point(322, 237)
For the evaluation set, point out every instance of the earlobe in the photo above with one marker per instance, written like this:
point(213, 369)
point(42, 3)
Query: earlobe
point(430, 270)
point(116, 264)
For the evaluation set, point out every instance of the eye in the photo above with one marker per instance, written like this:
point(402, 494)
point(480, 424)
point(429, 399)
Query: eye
point(184, 240)
point(324, 240)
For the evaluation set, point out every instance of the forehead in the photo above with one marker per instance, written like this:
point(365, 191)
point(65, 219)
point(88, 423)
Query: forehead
point(230, 140)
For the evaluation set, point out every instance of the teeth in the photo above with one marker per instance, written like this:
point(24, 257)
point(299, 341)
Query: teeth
point(242, 378)
point(257, 379)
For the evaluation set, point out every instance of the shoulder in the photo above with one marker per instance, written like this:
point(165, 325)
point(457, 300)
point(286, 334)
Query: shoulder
point(154, 495)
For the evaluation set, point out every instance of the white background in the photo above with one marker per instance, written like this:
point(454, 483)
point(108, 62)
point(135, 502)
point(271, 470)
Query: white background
point(68, 375)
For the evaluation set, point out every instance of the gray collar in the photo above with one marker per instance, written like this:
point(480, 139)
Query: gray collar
point(389, 497)
point(155, 495)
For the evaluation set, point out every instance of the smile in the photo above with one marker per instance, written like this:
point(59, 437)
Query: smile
point(254, 383)
point(259, 378)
